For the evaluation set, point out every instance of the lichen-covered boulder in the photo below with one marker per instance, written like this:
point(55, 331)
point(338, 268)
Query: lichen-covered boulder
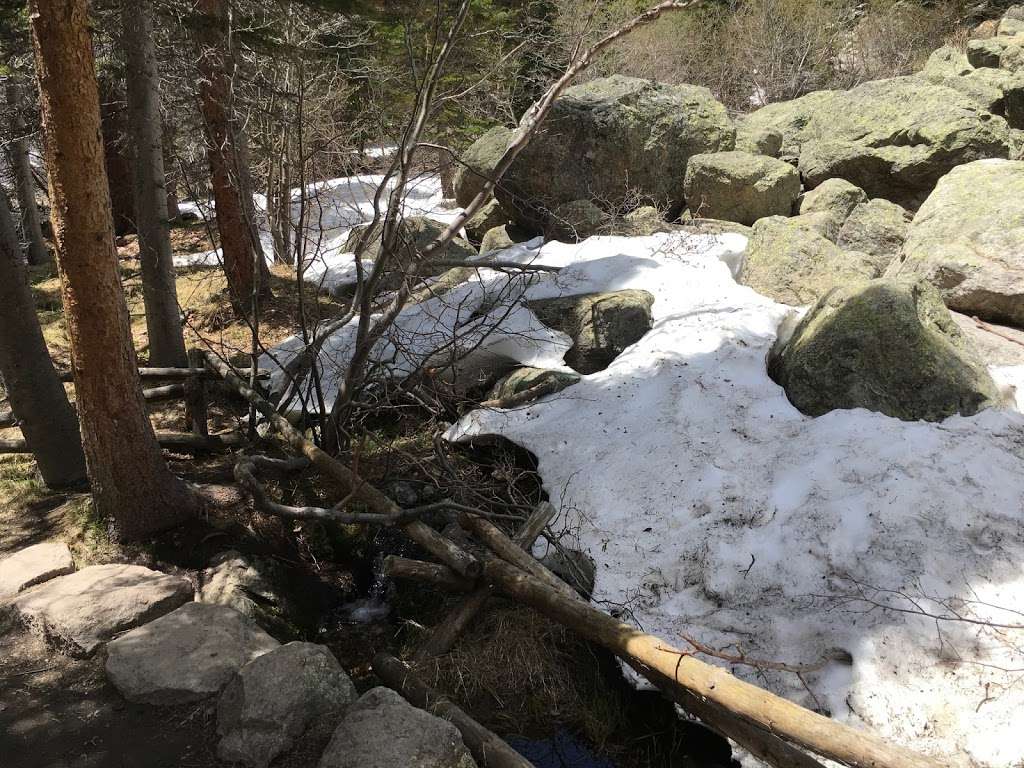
point(968, 241)
point(885, 345)
point(503, 237)
point(483, 221)
point(417, 232)
point(601, 325)
point(478, 163)
point(758, 141)
point(877, 228)
point(740, 187)
point(615, 139)
point(892, 138)
point(575, 221)
point(830, 203)
point(790, 261)
point(272, 700)
point(944, 62)
point(382, 730)
point(526, 378)
point(999, 52)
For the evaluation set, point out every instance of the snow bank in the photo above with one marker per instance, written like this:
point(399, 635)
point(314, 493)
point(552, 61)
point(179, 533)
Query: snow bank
point(848, 546)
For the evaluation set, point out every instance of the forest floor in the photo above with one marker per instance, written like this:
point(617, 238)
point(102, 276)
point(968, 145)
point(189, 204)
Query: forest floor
point(519, 674)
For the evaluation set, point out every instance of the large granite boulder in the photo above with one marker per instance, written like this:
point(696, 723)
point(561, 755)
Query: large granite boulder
point(758, 141)
point(885, 345)
point(250, 585)
point(502, 237)
point(968, 241)
point(601, 325)
point(187, 655)
point(483, 221)
point(34, 565)
point(877, 228)
point(893, 138)
point(417, 232)
point(478, 163)
point(615, 140)
point(740, 187)
point(999, 52)
point(793, 262)
point(273, 699)
point(382, 730)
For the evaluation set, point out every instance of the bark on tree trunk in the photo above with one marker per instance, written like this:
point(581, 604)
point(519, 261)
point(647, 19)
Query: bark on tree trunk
point(163, 321)
point(226, 154)
point(118, 165)
point(37, 397)
point(131, 484)
point(171, 173)
point(37, 253)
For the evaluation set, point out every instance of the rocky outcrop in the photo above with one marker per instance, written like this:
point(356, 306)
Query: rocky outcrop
point(187, 655)
point(885, 345)
point(740, 187)
point(478, 163)
point(273, 699)
point(381, 730)
point(601, 325)
point(81, 611)
point(615, 139)
point(793, 262)
point(968, 241)
point(34, 565)
point(892, 138)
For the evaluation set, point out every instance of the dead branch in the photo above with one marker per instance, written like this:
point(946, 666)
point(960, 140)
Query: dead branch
point(403, 568)
point(175, 441)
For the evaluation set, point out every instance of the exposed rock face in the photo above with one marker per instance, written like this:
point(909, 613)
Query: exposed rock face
point(273, 699)
point(992, 344)
point(601, 325)
point(944, 62)
point(968, 241)
point(885, 345)
point(381, 730)
point(877, 228)
point(417, 232)
point(34, 565)
point(999, 52)
point(791, 261)
point(483, 221)
point(615, 139)
point(187, 655)
point(522, 379)
point(81, 611)
point(481, 158)
point(740, 187)
point(758, 141)
point(893, 138)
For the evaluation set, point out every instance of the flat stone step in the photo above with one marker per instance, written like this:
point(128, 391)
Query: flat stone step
point(83, 610)
point(34, 565)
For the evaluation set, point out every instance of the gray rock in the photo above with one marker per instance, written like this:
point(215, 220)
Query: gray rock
point(836, 196)
point(34, 565)
point(417, 232)
point(946, 62)
point(758, 141)
point(483, 221)
point(506, 236)
point(968, 241)
point(81, 611)
point(575, 221)
point(892, 138)
point(522, 379)
point(601, 325)
point(478, 163)
point(999, 52)
point(244, 583)
point(272, 700)
point(789, 260)
point(615, 140)
point(381, 730)
point(187, 655)
point(740, 187)
point(993, 344)
point(877, 228)
point(885, 345)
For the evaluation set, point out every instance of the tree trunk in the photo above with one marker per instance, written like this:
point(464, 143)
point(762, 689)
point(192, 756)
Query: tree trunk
point(171, 173)
point(163, 321)
point(116, 160)
point(247, 275)
point(38, 253)
point(37, 397)
point(131, 484)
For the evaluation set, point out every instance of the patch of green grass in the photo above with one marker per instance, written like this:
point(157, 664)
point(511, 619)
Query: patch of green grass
point(20, 484)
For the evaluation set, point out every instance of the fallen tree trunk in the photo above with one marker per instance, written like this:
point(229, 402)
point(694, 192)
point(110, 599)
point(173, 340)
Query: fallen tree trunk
point(176, 374)
point(487, 748)
point(442, 576)
point(709, 684)
point(176, 441)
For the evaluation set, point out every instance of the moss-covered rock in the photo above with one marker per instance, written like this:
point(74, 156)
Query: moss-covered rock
point(830, 203)
point(999, 52)
point(417, 232)
point(522, 379)
point(575, 221)
point(944, 62)
point(877, 228)
point(885, 345)
point(478, 163)
point(483, 221)
point(893, 138)
point(740, 187)
point(503, 237)
point(758, 141)
point(601, 325)
point(968, 241)
point(615, 140)
point(790, 261)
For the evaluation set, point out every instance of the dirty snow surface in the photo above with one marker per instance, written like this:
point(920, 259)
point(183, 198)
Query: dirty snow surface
point(883, 561)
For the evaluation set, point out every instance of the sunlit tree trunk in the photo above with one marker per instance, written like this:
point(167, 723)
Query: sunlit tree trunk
point(37, 397)
point(163, 321)
point(37, 252)
point(131, 484)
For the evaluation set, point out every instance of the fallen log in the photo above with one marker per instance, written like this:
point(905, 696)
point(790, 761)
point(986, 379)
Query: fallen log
point(487, 748)
point(164, 393)
point(177, 441)
point(174, 374)
point(713, 685)
point(442, 576)
point(357, 488)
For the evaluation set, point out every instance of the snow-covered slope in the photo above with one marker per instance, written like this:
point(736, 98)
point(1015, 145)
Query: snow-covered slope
point(882, 560)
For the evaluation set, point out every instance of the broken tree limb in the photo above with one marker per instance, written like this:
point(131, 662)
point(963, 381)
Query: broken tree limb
point(358, 489)
point(487, 748)
point(442, 576)
point(791, 722)
point(448, 631)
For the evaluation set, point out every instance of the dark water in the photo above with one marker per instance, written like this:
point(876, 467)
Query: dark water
point(562, 751)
